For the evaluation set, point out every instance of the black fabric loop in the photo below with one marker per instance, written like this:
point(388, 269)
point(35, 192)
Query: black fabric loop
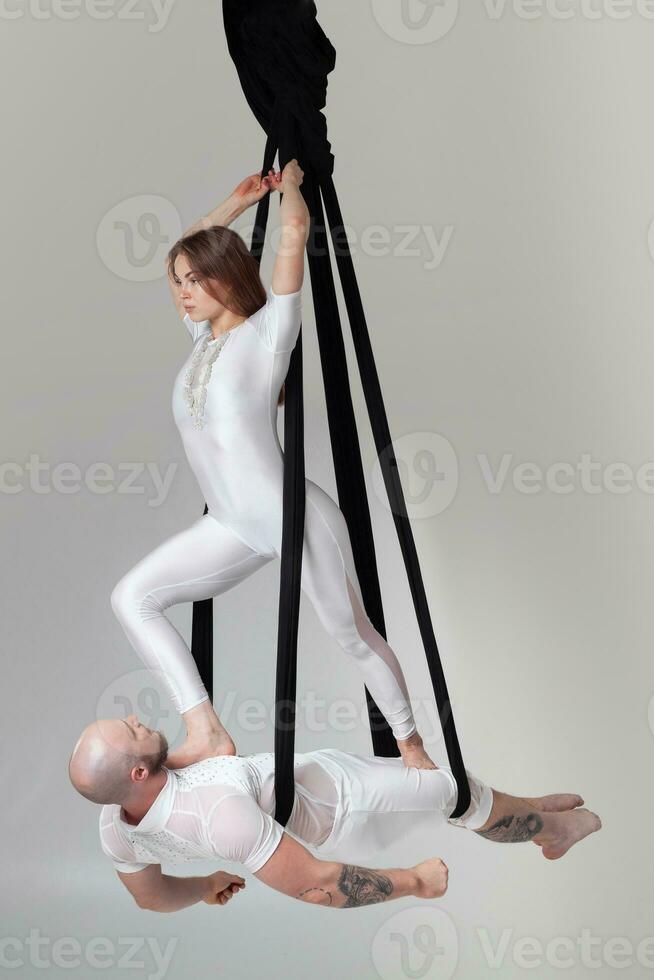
point(281, 53)
point(294, 503)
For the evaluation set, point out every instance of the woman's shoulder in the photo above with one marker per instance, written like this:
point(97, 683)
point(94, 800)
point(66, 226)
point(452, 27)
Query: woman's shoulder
point(279, 320)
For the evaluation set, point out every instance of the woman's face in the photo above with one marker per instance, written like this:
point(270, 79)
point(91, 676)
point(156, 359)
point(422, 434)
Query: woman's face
point(198, 304)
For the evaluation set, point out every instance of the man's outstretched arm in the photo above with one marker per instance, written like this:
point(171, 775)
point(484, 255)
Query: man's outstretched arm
point(293, 870)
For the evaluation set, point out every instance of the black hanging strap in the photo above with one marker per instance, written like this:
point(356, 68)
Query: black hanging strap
point(283, 58)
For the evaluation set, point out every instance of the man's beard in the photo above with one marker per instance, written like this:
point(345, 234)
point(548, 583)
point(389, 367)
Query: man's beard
point(157, 759)
point(163, 755)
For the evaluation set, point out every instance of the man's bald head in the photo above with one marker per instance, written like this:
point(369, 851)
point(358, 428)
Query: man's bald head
point(113, 756)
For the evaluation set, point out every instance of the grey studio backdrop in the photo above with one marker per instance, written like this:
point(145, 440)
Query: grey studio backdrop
point(494, 163)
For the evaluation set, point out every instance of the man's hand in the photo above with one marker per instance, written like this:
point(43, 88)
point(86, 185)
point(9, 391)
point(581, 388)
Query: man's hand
point(432, 878)
point(221, 886)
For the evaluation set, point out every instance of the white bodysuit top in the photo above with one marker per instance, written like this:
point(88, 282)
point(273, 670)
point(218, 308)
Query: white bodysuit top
point(223, 807)
point(229, 426)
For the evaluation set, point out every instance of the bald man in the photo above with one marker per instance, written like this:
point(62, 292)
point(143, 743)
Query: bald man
point(222, 808)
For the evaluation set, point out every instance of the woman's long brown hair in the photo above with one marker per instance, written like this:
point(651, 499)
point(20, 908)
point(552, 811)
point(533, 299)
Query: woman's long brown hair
point(226, 270)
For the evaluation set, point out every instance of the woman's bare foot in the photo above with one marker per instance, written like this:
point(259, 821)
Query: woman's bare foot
point(414, 753)
point(206, 737)
point(200, 747)
point(563, 830)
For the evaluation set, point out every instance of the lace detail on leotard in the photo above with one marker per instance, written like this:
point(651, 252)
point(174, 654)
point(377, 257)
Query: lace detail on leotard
point(195, 388)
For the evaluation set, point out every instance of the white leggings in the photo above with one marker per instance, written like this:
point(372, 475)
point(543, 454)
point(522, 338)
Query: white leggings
point(207, 558)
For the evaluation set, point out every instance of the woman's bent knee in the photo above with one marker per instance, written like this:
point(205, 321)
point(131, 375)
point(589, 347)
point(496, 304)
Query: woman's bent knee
point(128, 600)
point(122, 597)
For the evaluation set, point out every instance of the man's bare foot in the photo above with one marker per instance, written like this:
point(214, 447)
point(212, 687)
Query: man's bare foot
point(565, 829)
point(414, 754)
point(553, 822)
point(200, 746)
point(555, 831)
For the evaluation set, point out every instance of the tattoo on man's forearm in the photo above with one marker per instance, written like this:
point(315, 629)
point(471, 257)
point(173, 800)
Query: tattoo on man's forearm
point(363, 886)
point(514, 830)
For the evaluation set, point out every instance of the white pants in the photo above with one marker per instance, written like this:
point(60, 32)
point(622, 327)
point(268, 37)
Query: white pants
point(207, 558)
point(366, 803)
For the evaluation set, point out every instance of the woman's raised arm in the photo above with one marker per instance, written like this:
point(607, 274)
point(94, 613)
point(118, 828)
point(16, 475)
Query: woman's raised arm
point(288, 271)
point(248, 192)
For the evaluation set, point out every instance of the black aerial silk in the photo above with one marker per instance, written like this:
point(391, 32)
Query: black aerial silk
point(283, 58)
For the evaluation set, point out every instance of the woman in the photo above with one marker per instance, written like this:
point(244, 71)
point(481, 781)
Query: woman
point(225, 401)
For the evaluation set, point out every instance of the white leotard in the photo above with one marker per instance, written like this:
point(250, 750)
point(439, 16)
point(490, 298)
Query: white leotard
point(229, 427)
point(225, 406)
point(223, 808)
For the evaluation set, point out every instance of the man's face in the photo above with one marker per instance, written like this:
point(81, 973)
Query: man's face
point(129, 735)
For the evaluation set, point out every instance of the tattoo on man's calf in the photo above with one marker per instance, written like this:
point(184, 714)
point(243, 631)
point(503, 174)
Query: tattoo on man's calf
point(514, 830)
